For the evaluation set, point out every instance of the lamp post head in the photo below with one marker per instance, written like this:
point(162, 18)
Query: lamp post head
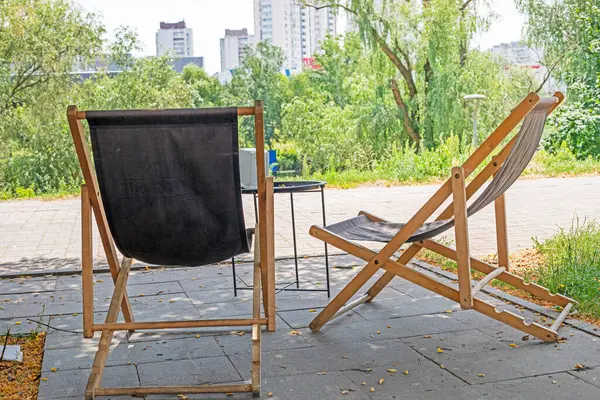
point(474, 97)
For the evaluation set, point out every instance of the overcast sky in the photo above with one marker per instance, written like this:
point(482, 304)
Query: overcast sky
point(210, 18)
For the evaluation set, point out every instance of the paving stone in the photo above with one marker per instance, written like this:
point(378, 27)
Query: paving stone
point(473, 352)
point(334, 385)
point(22, 325)
point(26, 285)
point(591, 376)
point(301, 318)
point(123, 352)
point(388, 329)
point(328, 358)
point(64, 384)
point(281, 339)
point(423, 375)
point(405, 307)
point(189, 372)
point(24, 304)
point(546, 387)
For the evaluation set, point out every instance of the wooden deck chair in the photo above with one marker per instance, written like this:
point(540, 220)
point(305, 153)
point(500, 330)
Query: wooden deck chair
point(165, 188)
point(505, 168)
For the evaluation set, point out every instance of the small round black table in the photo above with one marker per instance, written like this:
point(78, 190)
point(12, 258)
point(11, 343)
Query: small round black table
point(292, 187)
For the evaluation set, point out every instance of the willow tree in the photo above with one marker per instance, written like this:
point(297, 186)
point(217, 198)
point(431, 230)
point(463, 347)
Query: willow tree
point(427, 42)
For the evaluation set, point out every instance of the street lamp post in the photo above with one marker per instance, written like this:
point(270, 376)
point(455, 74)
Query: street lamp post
point(476, 99)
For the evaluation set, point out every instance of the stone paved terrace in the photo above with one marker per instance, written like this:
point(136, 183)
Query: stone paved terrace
point(402, 329)
point(44, 236)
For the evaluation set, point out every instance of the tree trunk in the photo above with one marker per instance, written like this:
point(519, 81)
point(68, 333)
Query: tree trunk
point(406, 118)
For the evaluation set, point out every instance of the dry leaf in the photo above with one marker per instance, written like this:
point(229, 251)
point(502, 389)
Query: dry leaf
point(442, 366)
point(322, 373)
point(514, 345)
point(344, 356)
point(389, 326)
point(197, 336)
point(372, 389)
point(364, 383)
point(579, 366)
point(406, 372)
point(440, 350)
point(312, 310)
point(344, 392)
point(379, 332)
point(392, 370)
point(381, 381)
point(448, 311)
point(99, 280)
point(44, 379)
point(270, 394)
point(427, 337)
point(481, 375)
point(53, 369)
point(18, 323)
point(295, 333)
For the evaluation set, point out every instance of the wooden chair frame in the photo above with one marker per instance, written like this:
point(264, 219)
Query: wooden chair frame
point(456, 187)
point(264, 272)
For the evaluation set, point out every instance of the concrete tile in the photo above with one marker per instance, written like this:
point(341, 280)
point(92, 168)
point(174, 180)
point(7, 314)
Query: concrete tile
point(64, 384)
point(189, 372)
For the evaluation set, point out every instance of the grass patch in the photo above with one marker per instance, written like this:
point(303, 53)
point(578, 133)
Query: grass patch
point(572, 259)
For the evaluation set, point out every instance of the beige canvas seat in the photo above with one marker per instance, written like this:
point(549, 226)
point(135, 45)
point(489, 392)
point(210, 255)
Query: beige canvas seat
point(505, 168)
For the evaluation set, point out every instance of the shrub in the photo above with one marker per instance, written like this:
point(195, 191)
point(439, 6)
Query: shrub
point(573, 264)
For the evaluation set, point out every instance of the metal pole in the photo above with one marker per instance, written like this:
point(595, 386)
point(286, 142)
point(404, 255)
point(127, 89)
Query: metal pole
point(234, 280)
point(475, 138)
point(326, 254)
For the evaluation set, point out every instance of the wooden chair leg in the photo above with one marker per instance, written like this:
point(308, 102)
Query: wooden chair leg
point(87, 272)
point(107, 334)
point(502, 232)
point(462, 237)
point(256, 360)
point(269, 277)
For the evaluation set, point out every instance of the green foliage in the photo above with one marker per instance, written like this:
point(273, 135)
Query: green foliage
point(573, 265)
point(569, 33)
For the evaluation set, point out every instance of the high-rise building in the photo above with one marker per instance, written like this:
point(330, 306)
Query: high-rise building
point(234, 47)
point(176, 38)
point(296, 29)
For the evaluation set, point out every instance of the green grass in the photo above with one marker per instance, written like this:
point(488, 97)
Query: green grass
point(573, 265)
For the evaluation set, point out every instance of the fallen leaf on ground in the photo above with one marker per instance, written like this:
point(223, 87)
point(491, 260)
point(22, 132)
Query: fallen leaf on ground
point(406, 372)
point(322, 373)
point(372, 389)
point(579, 366)
point(440, 350)
point(513, 345)
point(381, 381)
point(442, 366)
point(295, 333)
point(392, 370)
point(270, 394)
point(53, 369)
point(481, 375)
point(379, 332)
point(427, 337)
point(312, 310)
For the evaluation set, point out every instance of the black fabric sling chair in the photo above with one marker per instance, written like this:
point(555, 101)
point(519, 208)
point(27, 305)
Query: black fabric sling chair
point(505, 168)
point(166, 190)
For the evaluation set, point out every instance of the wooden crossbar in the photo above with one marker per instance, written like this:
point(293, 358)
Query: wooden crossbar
point(149, 390)
point(487, 279)
point(201, 323)
point(560, 319)
point(353, 304)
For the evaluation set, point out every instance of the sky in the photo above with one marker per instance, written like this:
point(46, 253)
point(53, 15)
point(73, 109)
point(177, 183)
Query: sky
point(210, 18)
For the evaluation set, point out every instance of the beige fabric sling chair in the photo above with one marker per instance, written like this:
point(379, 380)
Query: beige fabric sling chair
point(165, 189)
point(505, 168)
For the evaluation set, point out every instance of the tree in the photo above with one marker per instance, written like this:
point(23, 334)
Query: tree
point(569, 33)
point(427, 43)
point(40, 42)
point(259, 78)
point(206, 90)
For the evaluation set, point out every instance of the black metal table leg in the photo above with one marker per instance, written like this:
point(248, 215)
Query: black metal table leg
point(255, 208)
point(234, 277)
point(294, 238)
point(326, 254)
